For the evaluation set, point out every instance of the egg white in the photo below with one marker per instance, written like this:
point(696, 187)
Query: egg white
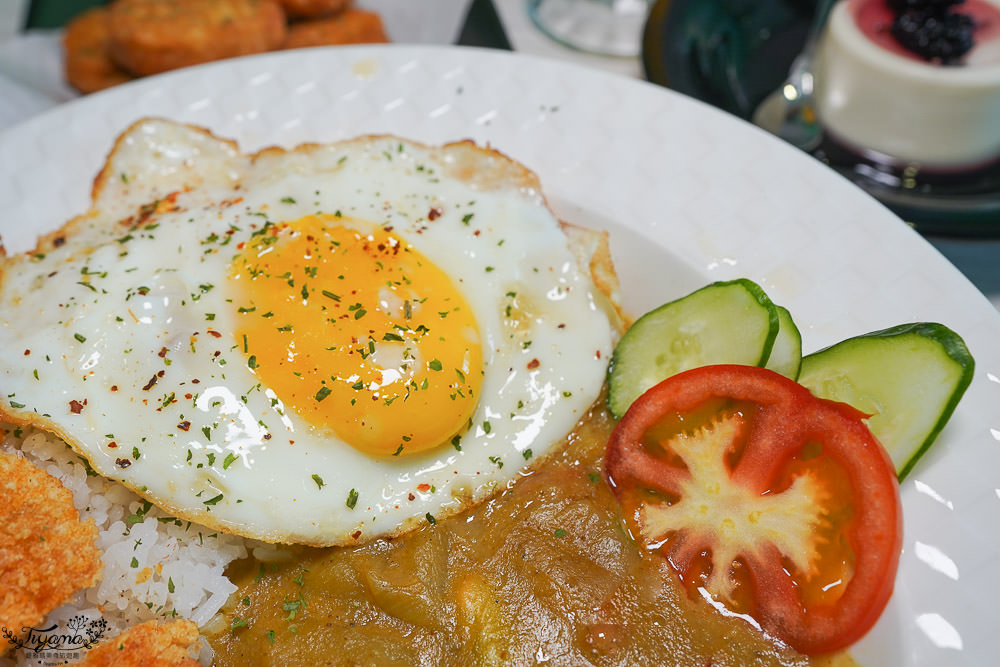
point(117, 333)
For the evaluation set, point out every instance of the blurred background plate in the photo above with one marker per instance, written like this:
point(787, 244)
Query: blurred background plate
point(732, 53)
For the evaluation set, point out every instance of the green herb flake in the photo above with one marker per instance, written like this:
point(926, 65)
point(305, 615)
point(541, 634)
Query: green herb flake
point(352, 499)
point(559, 532)
point(319, 481)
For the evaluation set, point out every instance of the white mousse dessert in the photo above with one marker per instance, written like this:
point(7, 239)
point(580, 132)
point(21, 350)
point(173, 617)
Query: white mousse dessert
point(874, 96)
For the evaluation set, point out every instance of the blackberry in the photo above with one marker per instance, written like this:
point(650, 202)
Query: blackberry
point(902, 5)
point(930, 29)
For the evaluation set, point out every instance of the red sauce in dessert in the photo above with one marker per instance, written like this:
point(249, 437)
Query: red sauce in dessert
point(874, 18)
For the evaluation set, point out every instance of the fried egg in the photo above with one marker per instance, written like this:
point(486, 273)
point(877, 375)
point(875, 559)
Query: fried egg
point(317, 346)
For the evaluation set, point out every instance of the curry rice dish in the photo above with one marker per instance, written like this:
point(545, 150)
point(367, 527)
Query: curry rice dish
point(524, 560)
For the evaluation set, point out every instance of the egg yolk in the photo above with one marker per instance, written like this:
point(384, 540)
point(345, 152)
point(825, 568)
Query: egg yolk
point(356, 331)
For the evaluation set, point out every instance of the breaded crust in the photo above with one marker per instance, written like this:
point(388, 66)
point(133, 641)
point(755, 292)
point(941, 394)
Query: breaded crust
point(310, 9)
point(353, 26)
point(46, 552)
point(153, 36)
point(87, 53)
point(149, 644)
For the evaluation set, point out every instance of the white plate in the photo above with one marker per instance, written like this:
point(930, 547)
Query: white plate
point(690, 195)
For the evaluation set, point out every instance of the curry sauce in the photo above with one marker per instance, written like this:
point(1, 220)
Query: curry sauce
point(544, 572)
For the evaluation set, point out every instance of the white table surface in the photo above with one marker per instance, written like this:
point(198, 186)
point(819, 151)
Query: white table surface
point(31, 82)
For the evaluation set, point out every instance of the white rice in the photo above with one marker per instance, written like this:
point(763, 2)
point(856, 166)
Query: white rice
point(155, 566)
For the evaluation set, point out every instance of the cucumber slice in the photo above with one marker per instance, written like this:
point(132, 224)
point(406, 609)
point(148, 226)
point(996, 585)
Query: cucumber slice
point(909, 378)
point(731, 322)
point(786, 354)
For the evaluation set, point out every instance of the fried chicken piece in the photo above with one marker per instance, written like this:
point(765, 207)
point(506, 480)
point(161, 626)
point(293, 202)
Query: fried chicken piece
point(149, 644)
point(311, 9)
point(153, 36)
point(87, 55)
point(46, 552)
point(353, 26)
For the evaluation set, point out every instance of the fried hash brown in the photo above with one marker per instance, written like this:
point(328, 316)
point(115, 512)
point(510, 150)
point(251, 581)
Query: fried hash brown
point(153, 36)
point(150, 644)
point(310, 9)
point(87, 53)
point(353, 26)
point(46, 552)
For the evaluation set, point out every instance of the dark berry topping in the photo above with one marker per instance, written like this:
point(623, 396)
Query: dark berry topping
point(902, 5)
point(932, 30)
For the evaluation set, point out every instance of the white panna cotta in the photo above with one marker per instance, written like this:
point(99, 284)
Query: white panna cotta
point(874, 96)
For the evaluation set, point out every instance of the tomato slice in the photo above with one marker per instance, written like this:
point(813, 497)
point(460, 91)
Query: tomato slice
point(775, 503)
